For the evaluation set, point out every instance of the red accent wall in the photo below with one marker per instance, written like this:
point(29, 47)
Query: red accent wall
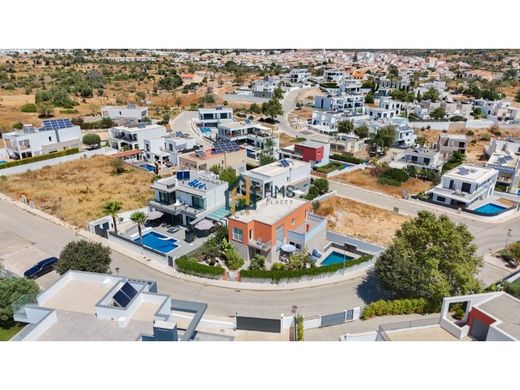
point(476, 313)
point(310, 154)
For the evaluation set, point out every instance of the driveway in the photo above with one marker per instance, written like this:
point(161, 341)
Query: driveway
point(183, 122)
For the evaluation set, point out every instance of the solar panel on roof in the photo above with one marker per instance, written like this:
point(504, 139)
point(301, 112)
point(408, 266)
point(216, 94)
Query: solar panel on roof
point(200, 153)
point(55, 124)
point(179, 133)
point(508, 157)
point(129, 290)
point(226, 147)
point(121, 299)
point(284, 163)
point(502, 160)
point(141, 125)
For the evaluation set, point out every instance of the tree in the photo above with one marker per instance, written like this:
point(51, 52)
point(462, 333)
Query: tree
point(362, 131)
point(385, 136)
point(517, 96)
point(477, 113)
point(322, 185)
point(345, 126)
point(369, 98)
point(432, 94)
point(278, 93)
point(257, 262)
point(112, 207)
point(12, 289)
point(118, 165)
point(430, 257)
point(45, 109)
point(266, 156)
point(170, 82)
point(139, 218)
point(272, 108)
point(228, 174)
point(84, 255)
point(438, 113)
point(92, 140)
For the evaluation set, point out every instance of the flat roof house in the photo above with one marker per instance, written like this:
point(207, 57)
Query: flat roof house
point(223, 154)
point(299, 75)
point(347, 143)
point(212, 117)
point(464, 185)
point(508, 167)
point(125, 115)
point(420, 158)
point(87, 306)
point(405, 136)
point(447, 144)
point(274, 222)
point(190, 198)
point(350, 104)
point(165, 150)
point(133, 136)
point(314, 152)
point(254, 137)
point(53, 136)
point(279, 174)
point(508, 144)
point(487, 317)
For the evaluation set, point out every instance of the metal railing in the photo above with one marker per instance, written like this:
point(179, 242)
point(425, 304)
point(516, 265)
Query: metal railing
point(384, 328)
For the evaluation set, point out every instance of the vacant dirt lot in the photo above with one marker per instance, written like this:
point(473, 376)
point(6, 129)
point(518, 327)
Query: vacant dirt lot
point(360, 220)
point(363, 178)
point(75, 191)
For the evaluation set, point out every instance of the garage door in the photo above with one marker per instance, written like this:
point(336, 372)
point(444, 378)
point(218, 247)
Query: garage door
point(479, 330)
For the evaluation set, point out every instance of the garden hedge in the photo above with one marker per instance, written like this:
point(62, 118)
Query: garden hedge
point(193, 267)
point(397, 307)
point(347, 158)
point(42, 157)
point(277, 275)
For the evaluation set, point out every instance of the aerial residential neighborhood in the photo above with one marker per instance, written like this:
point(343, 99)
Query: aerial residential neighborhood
point(264, 195)
point(320, 176)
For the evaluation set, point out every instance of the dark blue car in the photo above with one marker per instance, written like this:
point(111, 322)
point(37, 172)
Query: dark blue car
point(41, 268)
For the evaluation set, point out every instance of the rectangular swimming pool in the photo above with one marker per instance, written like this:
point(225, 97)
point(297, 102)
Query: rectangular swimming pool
point(3, 162)
point(335, 258)
point(148, 167)
point(158, 242)
point(490, 208)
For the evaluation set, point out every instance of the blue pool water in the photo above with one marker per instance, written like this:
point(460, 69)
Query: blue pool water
point(158, 242)
point(490, 208)
point(205, 129)
point(148, 167)
point(3, 162)
point(334, 258)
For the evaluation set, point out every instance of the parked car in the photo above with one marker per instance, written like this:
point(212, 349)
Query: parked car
point(41, 268)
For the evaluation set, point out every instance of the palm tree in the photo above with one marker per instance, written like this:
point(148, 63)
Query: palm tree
point(112, 207)
point(139, 218)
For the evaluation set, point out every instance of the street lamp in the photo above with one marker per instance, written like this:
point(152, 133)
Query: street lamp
point(508, 235)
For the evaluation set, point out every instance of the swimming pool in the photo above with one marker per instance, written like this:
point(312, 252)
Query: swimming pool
point(490, 208)
point(148, 167)
point(3, 162)
point(158, 242)
point(335, 258)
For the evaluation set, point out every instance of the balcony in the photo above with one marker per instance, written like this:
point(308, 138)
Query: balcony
point(175, 208)
point(263, 246)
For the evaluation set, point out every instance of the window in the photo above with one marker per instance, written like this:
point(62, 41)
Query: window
point(197, 202)
point(238, 234)
point(250, 234)
point(441, 199)
point(466, 187)
point(426, 161)
point(292, 222)
point(50, 139)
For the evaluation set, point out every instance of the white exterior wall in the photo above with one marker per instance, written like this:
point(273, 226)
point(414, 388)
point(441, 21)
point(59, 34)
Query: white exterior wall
point(138, 113)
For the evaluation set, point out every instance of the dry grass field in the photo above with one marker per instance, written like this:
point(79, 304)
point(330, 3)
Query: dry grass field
point(360, 220)
point(75, 191)
point(363, 178)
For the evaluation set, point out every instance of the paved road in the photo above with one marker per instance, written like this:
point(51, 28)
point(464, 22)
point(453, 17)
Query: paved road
point(222, 302)
point(182, 122)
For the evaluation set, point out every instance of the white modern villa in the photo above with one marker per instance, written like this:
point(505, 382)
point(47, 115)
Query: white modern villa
point(133, 136)
point(465, 185)
point(54, 135)
point(125, 114)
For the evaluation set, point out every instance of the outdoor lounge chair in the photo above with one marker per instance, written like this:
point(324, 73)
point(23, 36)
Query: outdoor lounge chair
point(173, 229)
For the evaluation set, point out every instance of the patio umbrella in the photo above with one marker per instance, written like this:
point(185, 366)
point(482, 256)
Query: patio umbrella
point(205, 224)
point(288, 248)
point(154, 215)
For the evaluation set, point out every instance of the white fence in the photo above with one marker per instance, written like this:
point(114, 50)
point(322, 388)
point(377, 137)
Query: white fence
point(53, 161)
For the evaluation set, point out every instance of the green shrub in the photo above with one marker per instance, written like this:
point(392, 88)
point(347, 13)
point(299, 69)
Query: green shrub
point(278, 273)
point(190, 265)
point(398, 307)
point(469, 133)
point(29, 107)
point(513, 288)
point(299, 328)
point(42, 157)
